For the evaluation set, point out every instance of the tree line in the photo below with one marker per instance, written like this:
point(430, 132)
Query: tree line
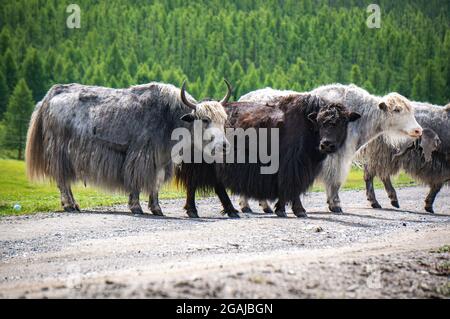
point(285, 44)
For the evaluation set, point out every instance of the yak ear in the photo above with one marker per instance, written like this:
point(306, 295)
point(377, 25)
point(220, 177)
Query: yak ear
point(383, 106)
point(353, 116)
point(188, 117)
point(312, 117)
point(429, 145)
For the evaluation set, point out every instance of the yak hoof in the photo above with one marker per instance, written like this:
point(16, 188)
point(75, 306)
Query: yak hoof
point(233, 214)
point(192, 213)
point(268, 210)
point(281, 213)
point(376, 205)
point(429, 209)
point(395, 203)
point(157, 212)
point(300, 214)
point(72, 208)
point(137, 211)
point(246, 210)
point(336, 209)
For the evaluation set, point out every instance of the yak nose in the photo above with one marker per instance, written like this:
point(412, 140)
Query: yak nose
point(327, 146)
point(417, 132)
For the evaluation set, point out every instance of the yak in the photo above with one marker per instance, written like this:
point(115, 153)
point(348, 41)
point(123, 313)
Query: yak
point(427, 159)
point(391, 115)
point(119, 139)
point(310, 128)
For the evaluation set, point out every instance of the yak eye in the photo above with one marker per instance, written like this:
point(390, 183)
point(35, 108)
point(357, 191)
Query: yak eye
point(397, 110)
point(206, 121)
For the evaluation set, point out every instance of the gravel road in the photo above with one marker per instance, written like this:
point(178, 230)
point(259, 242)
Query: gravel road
point(109, 252)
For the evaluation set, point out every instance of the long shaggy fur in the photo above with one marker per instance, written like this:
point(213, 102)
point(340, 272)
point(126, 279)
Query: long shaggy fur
point(379, 155)
point(115, 138)
point(300, 158)
point(373, 122)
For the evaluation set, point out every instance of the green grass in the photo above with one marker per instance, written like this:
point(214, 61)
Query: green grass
point(355, 181)
point(42, 197)
point(441, 250)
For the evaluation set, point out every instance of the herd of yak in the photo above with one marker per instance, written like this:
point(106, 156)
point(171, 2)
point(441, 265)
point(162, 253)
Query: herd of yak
point(121, 139)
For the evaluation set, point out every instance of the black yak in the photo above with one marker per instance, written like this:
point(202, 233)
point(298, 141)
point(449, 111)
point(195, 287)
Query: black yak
point(309, 129)
point(391, 115)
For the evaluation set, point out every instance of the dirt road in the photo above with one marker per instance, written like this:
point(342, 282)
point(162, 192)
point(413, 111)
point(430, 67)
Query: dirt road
point(111, 253)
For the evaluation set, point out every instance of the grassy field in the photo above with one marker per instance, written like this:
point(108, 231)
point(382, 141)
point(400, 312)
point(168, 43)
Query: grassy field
point(42, 197)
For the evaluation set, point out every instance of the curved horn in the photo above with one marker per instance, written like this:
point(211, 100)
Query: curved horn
point(230, 89)
point(184, 99)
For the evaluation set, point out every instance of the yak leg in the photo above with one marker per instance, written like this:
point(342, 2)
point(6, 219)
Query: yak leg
point(333, 200)
point(370, 191)
point(390, 191)
point(133, 203)
point(265, 206)
point(429, 201)
point(67, 200)
point(244, 205)
point(225, 200)
point(153, 204)
point(297, 207)
point(190, 208)
point(280, 208)
point(153, 201)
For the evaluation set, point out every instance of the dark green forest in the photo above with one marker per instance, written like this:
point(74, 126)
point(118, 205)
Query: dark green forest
point(285, 44)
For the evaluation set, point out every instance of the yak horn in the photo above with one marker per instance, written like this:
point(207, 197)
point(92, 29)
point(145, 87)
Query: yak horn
point(230, 89)
point(184, 99)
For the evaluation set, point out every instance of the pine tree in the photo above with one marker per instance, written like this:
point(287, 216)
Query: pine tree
point(10, 69)
point(355, 75)
point(236, 78)
point(368, 86)
point(445, 63)
point(209, 89)
point(434, 83)
point(98, 77)
point(418, 91)
point(17, 116)
point(5, 40)
point(126, 80)
point(251, 80)
point(143, 74)
point(156, 74)
point(114, 61)
point(4, 95)
point(132, 63)
point(33, 73)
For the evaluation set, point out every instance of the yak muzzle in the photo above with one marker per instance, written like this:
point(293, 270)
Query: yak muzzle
point(327, 147)
point(416, 133)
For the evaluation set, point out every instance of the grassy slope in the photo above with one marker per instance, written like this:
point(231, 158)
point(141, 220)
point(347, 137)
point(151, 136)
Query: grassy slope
point(34, 197)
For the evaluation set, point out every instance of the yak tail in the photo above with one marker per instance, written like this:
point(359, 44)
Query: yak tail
point(34, 151)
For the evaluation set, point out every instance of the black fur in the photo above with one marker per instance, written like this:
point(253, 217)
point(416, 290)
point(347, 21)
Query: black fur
point(300, 155)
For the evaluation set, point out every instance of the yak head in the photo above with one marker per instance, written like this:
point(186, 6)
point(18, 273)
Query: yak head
point(399, 121)
point(211, 116)
point(428, 143)
point(332, 123)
